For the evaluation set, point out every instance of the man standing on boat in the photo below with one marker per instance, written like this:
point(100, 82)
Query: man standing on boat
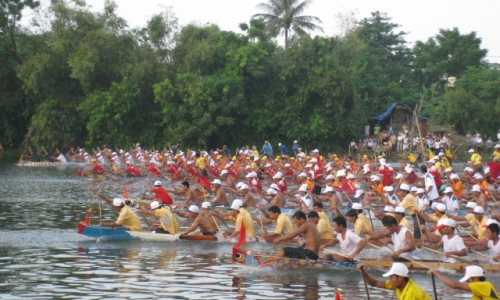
point(126, 218)
point(311, 237)
point(399, 281)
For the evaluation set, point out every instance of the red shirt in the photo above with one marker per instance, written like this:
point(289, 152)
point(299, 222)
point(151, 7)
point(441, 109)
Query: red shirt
point(437, 177)
point(282, 185)
point(154, 169)
point(386, 172)
point(191, 170)
point(255, 182)
point(163, 196)
point(494, 170)
point(412, 178)
point(347, 186)
point(133, 170)
point(97, 167)
point(204, 182)
point(318, 174)
point(174, 170)
point(233, 172)
point(214, 171)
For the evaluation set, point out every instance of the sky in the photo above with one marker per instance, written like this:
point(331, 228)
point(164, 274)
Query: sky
point(420, 19)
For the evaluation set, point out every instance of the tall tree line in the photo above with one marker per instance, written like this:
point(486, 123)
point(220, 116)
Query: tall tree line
point(89, 79)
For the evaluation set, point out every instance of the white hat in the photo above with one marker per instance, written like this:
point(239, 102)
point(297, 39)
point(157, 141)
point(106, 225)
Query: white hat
point(303, 188)
point(487, 170)
point(388, 208)
point(275, 186)
point(399, 209)
point(358, 193)
point(268, 165)
point(309, 166)
point(409, 170)
point(445, 222)
point(121, 151)
point(313, 160)
point(397, 269)
point(303, 174)
point(413, 189)
point(190, 162)
point(288, 165)
point(382, 161)
point(476, 188)
point(330, 176)
point(366, 171)
point(471, 205)
point(399, 176)
point(497, 146)
point(454, 176)
point(329, 189)
point(357, 186)
point(244, 186)
point(441, 207)
point(434, 205)
point(388, 188)
point(194, 208)
point(272, 191)
point(471, 150)
point(478, 210)
point(216, 181)
point(478, 176)
point(155, 205)
point(278, 175)
point(341, 173)
point(316, 151)
point(117, 202)
point(157, 182)
point(206, 204)
point(251, 174)
point(468, 169)
point(127, 154)
point(237, 203)
point(350, 176)
point(489, 222)
point(295, 141)
point(375, 178)
point(472, 271)
point(441, 153)
point(448, 170)
point(421, 191)
point(448, 190)
point(225, 171)
point(279, 144)
point(357, 205)
point(404, 187)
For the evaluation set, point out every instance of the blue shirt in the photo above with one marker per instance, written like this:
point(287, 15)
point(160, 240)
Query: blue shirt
point(267, 149)
point(295, 148)
point(284, 150)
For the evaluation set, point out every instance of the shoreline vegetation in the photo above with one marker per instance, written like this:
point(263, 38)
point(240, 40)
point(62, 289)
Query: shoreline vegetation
point(77, 77)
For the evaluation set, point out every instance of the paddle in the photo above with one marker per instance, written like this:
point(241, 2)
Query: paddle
point(358, 260)
point(425, 231)
point(452, 256)
point(217, 224)
point(482, 254)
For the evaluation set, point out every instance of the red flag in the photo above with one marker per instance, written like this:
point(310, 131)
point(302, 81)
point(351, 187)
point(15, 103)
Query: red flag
point(125, 194)
point(242, 238)
point(337, 296)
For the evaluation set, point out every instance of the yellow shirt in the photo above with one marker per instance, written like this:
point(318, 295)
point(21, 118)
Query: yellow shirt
point(496, 154)
point(483, 290)
point(167, 220)
point(404, 222)
point(323, 216)
point(411, 291)
point(476, 159)
point(365, 221)
point(245, 218)
point(283, 222)
point(445, 163)
point(480, 229)
point(437, 165)
point(200, 163)
point(410, 204)
point(129, 219)
point(325, 231)
point(359, 225)
point(469, 218)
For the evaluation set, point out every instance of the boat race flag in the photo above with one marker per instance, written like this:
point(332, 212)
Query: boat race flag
point(125, 193)
point(242, 238)
point(337, 296)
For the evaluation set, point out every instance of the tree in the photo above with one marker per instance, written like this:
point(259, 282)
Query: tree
point(283, 16)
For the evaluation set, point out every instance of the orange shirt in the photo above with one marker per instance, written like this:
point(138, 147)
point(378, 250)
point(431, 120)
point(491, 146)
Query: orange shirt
point(296, 165)
point(353, 164)
point(310, 185)
point(379, 188)
point(458, 188)
point(484, 188)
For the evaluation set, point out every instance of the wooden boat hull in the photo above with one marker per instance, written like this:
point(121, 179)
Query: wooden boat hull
point(109, 233)
point(252, 259)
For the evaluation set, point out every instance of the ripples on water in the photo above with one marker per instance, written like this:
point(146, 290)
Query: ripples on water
point(42, 257)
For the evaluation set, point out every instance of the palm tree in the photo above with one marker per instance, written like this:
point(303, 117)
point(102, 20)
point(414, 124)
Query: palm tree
point(283, 16)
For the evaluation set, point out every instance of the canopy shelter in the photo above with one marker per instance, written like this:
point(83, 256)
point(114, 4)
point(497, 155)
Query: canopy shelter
point(397, 115)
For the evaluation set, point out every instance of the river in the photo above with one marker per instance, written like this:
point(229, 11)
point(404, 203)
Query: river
point(42, 256)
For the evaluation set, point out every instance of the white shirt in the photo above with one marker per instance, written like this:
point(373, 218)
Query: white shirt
point(393, 199)
point(456, 243)
point(307, 199)
point(422, 202)
point(494, 250)
point(350, 243)
point(429, 182)
point(61, 158)
point(116, 160)
point(399, 242)
point(451, 203)
point(130, 160)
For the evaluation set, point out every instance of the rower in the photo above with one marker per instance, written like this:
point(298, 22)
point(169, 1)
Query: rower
point(160, 193)
point(354, 217)
point(450, 200)
point(276, 196)
point(126, 218)
point(220, 195)
point(324, 228)
point(190, 195)
point(168, 222)
point(399, 214)
point(473, 281)
point(402, 239)
point(310, 234)
point(207, 225)
point(479, 221)
point(283, 223)
point(350, 243)
point(305, 198)
point(452, 243)
point(96, 168)
point(410, 204)
point(399, 281)
point(239, 215)
point(492, 232)
point(467, 218)
point(244, 191)
point(439, 210)
point(390, 197)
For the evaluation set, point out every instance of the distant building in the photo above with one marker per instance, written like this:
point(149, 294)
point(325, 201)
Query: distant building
point(397, 115)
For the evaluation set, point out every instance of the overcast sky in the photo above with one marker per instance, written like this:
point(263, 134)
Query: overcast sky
point(421, 19)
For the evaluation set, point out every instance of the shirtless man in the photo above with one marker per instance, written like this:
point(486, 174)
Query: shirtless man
point(244, 191)
point(206, 224)
point(224, 176)
point(190, 195)
point(275, 197)
point(220, 195)
point(311, 237)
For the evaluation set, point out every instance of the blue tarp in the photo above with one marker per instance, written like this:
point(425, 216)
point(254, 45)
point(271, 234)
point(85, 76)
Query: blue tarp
point(389, 110)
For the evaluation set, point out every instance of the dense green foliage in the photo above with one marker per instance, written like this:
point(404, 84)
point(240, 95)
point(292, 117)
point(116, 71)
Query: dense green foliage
point(88, 79)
